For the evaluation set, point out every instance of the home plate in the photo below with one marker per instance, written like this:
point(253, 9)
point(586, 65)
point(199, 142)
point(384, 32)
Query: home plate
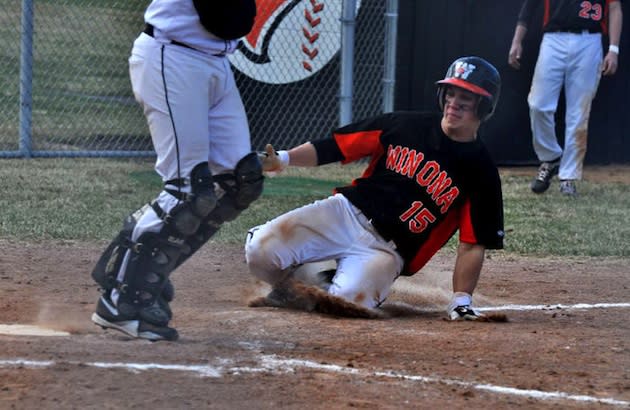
point(29, 330)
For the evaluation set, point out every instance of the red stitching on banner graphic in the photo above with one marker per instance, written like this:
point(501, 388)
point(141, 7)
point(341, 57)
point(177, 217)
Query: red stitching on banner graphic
point(312, 21)
point(310, 34)
point(310, 37)
point(317, 7)
point(310, 53)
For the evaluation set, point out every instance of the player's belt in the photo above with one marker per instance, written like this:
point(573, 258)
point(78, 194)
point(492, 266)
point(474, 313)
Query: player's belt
point(575, 30)
point(148, 30)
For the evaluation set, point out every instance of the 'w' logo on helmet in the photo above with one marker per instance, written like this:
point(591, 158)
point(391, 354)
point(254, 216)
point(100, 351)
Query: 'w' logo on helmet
point(463, 70)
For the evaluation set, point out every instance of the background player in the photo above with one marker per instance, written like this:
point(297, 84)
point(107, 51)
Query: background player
point(182, 79)
point(570, 56)
point(428, 176)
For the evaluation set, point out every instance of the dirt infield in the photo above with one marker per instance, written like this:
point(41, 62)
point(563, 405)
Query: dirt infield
point(233, 356)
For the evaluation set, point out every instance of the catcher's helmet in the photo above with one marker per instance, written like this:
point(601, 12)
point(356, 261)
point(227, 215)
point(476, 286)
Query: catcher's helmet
point(477, 76)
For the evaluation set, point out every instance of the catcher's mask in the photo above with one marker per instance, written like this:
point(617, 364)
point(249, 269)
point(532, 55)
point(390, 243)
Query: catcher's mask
point(476, 75)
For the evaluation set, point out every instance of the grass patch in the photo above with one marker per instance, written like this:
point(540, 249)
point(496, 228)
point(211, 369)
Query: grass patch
point(594, 224)
point(297, 186)
point(86, 199)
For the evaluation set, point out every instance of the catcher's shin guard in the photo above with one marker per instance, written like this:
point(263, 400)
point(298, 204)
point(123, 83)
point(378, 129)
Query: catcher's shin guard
point(107, 267)
point(151, 260)
point(240, 190)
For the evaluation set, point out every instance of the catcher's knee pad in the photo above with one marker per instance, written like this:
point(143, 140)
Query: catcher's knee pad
point(152, 259)
point(249, 179)
point(240, 189)
point(184, 219)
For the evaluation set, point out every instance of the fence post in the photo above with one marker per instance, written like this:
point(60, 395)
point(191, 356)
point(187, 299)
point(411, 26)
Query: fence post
point(26, 80)
point(389, 71)
point(348, 19)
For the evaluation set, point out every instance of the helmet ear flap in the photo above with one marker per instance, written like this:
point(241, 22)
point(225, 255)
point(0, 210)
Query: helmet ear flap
point(484, 108)
point(441, 94)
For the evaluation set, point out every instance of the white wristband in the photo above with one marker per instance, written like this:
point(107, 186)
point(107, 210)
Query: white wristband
point(614, 49)
point(283, 156)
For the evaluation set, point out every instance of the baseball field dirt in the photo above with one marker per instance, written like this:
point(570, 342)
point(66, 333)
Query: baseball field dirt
point(565, 345)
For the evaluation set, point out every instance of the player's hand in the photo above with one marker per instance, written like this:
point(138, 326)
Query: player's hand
point(272, 161)
point(609, 67)
point(514, 58)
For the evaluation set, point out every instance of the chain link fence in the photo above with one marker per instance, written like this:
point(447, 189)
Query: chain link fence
point(66, 91)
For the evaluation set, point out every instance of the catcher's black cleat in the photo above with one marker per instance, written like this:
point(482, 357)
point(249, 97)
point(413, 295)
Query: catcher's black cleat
point(108, 317)
point(465, 313)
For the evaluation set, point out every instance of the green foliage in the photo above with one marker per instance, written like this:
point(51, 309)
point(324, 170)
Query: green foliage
point(87, 199)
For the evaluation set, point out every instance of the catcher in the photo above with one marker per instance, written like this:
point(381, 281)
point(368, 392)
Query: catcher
point(429, 175)
point(181, 77)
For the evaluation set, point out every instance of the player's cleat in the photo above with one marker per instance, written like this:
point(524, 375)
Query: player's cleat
point(464, 313)
point(546, 172)
point(567, 188)
point(318, 274)
point(108, 317)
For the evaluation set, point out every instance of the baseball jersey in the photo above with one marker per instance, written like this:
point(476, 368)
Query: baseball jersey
point(420, 186)
point(568, 15)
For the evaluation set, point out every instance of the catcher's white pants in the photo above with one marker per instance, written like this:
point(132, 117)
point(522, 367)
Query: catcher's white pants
point(575, 61)
point(192, 105)
point(331, 228)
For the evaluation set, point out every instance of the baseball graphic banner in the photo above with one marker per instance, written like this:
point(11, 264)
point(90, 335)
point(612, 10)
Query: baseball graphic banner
point(288, 67)
point(291, 40)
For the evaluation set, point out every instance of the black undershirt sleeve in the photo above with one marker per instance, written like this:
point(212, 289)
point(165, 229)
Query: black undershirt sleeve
point(327, 151)
point(526, 13)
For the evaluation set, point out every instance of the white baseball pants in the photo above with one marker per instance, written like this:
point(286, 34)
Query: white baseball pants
point(575, 61)
point(331, 228)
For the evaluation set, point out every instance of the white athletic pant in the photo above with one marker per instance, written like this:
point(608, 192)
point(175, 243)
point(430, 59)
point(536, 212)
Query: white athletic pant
point(575, 61)
point(194, 112)
point(331, 228)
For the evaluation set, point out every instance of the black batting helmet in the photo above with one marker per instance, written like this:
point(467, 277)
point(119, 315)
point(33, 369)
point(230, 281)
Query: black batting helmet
point(477, 76)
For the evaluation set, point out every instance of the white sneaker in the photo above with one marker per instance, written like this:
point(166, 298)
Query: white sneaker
point(567, 188)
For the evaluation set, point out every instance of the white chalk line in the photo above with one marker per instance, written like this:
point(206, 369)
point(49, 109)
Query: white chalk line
point(522, 308)
point(577, 306)
point(29, 330)
point(276, 364)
